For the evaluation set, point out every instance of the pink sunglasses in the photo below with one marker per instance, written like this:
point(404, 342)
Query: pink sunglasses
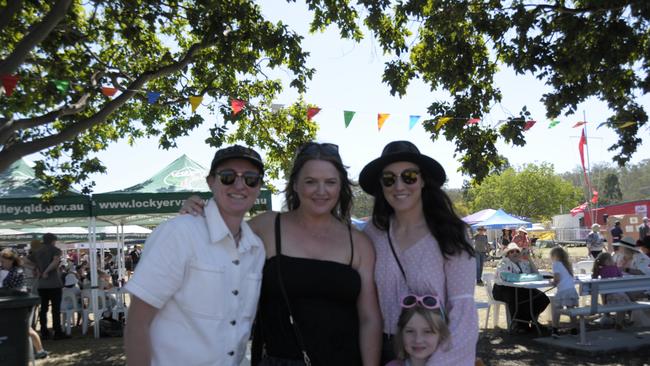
point(426, 301)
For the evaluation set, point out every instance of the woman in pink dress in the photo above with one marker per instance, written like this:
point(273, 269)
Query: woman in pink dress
point(421, 247)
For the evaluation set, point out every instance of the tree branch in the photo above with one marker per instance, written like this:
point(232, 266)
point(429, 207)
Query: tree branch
point(564, 10)
point(37, 34)
point(7, 14)
point(14, 152)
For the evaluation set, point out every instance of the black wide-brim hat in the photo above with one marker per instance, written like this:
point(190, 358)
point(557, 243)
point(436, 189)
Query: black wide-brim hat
point(399, 151)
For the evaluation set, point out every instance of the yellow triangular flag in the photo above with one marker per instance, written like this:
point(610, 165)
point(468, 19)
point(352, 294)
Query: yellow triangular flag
point(381, 118)
point(627, 124)
point(442, 121)
point(195, 101)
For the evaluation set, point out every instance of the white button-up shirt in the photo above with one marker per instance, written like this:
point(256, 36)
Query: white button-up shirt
point(205, 287)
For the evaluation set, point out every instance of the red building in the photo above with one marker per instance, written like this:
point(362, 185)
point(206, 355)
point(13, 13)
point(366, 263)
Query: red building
point(639, 208)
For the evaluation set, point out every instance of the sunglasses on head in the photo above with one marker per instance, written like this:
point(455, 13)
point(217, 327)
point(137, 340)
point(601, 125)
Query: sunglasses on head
point(408, 176)
point(228, 176)
point(315, 147)
point(426, 301)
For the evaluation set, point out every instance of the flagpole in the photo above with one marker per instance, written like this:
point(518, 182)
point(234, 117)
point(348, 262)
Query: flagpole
point(589, 188)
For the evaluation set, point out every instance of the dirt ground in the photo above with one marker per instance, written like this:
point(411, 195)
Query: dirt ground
point(495, 347)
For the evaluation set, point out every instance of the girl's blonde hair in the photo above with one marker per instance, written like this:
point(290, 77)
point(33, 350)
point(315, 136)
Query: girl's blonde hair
point(433, 317)
point(600, 263)
point(11, 254)
point(563, 257)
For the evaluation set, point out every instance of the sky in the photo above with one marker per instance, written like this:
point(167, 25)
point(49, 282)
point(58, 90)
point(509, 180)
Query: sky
point(348, 77)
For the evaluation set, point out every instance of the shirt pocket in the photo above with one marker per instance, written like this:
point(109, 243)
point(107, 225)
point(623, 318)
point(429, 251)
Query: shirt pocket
point(252, 283)
point(202, 293)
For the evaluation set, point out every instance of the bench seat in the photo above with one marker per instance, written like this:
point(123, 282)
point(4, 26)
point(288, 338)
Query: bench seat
point(600, 309)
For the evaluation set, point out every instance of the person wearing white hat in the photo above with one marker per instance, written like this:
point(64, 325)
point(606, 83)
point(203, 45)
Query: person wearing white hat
point(513, 262)
point(595, 241)
point(631, 260)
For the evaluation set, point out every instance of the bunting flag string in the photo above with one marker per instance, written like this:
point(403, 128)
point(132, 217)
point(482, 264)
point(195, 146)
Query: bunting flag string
point(413, 120)
point(347, 117)
point(10, 82)
point(195, 101)
point(237, 105)
point(381, 118)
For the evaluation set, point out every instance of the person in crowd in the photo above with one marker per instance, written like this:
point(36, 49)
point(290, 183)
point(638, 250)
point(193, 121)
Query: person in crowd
point(512, 262)
point(327, 268)
point(482, 248)
point(135, 254)
point(566, 295)
point(631, 260)
point(595, 241)
point(422, 247)
point(47, 259)
point(193, 296)
point(521, 239)
point(617, 233)
point(605, 267)
point(10, 262)
point(506, 237)
point(421, 329)
point(645, 246)
point(644, 229)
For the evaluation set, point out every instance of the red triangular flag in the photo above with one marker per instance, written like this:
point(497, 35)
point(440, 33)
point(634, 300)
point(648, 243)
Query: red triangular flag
point(9, 82)
point(529, 125)
point(237, 105)
point(594, 197)
point(473, 121)
point(581, 148)
point(576, 210)
point(108, 91)
point(578, 124)
point(311, 112)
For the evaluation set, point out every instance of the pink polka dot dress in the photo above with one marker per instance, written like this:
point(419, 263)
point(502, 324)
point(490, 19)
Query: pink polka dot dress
point(427, 272)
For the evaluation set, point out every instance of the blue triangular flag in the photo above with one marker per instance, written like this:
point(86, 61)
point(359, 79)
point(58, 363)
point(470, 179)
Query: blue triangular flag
point(412, 121)
point(152, 97)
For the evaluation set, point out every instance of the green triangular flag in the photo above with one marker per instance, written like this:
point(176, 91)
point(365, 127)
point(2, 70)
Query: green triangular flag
point(62, 85)
point(553, 123)
point(348, 115)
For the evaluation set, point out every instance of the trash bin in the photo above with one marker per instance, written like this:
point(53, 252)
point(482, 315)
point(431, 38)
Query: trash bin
point(15, 309)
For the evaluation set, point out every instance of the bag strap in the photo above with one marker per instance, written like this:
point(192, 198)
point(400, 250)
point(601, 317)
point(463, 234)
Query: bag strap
point(278, 253)
point(392, 249)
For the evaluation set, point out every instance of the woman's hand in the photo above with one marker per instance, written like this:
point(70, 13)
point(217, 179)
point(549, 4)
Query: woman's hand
point(193, 205)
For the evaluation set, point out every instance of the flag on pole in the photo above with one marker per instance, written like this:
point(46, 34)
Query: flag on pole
point(576, 210)
point(347, 117)
point(594, 197)
point(381, 118)
point(311, 112)
point(581, 148)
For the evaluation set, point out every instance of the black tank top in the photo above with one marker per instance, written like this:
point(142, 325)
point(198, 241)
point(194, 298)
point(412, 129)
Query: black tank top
point(323, 296)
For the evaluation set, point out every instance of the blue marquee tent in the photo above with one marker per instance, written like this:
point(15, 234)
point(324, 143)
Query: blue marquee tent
point(501, 220)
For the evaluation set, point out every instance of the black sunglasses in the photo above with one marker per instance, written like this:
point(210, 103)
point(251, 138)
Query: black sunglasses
point(228, 176)
point(408, 176)
point(315, 147)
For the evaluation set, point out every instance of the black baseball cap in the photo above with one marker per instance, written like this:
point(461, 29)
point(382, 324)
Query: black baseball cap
point(236, 152)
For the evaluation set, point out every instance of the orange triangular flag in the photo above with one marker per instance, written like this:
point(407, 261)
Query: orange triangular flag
point(311, 112)
point(9, 82)
point(381, 118)
point(578, 124)
point(108, 91)
point(195, 100)
point(237, 105)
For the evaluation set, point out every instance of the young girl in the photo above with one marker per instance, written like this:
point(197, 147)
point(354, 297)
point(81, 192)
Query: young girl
point(566, 294)
point(421, 329)
point(605, 267)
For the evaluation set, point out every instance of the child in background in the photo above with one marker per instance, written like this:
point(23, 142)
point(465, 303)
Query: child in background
point(605, 267)
point(420, 329)
point(566, 294)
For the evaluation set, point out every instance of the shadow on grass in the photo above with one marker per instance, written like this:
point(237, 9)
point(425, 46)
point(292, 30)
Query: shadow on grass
point(84, 350)
point(498, 347)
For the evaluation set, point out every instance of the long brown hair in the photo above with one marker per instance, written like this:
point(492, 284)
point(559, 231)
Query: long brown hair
point(563, 257)
point(432, 316)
